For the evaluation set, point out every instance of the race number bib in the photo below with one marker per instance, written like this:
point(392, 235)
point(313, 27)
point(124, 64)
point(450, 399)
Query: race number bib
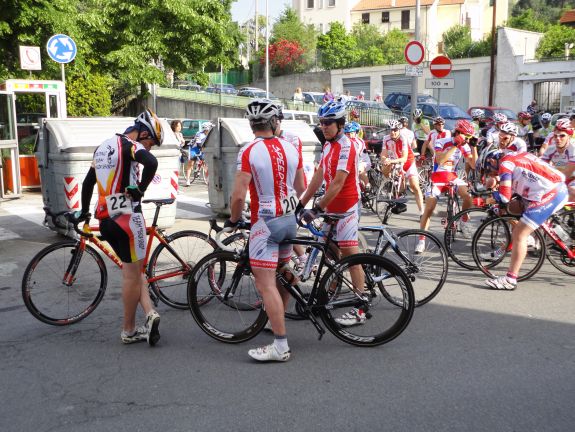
point(268, 207)
point(289, 204)
point(118, 204)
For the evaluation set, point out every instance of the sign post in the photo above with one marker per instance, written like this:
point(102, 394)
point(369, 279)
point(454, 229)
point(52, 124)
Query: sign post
point(61, 49)
point(414, 54)
point(440, 67)
point(30, 58)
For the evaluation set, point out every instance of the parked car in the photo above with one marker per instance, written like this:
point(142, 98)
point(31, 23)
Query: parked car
point(252, 92)
point(397, 101)
point(557, 116)
point(221, 88)
point(491, 110)
point(363, 104)
point(314, 98)
point(373, 138)
point(187, 85)
point(450, 112)
point(309, 117)
point(190, 127)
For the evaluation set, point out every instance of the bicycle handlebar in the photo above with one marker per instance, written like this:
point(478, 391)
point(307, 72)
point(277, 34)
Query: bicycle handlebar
point(242, 226)
point(69, 216)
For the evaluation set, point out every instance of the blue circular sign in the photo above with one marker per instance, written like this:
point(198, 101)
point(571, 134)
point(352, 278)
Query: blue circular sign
point(61, 48)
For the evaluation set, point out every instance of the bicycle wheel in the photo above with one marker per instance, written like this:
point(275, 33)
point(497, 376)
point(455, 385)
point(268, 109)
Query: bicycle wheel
point(459, 233)
point(492, 246)
point(190, 247)
point(385, 320)
point(557, 256)
point(384, 192)
point(205, 175)
point(223, 298)
point(427, 271)
point(47, 295)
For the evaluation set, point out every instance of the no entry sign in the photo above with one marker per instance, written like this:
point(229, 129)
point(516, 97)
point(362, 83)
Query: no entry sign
point(414, 53)
point(440, 66)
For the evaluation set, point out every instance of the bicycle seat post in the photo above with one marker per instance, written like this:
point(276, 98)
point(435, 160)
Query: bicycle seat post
point(156, 214)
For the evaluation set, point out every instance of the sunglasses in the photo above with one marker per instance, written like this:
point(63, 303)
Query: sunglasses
point(467, 136)
point(326, 122)
point(561, 135)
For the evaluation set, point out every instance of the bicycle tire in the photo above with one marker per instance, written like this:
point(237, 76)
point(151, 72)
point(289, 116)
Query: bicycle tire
point(491, 247)
point(428, 268)
point(457, 241)
point(380, 327)
point(557, 256)
point(59, 304)
point(235, 319)
point(190, 246)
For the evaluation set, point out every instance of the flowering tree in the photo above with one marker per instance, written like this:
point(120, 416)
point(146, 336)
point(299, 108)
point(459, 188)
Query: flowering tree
point(285, 57)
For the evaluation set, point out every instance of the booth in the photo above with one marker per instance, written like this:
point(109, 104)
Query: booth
point(222, 148)
point(9, 184)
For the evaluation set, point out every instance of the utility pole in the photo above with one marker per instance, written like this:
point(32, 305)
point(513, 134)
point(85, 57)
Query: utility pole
point(493, 46)
point(267, 51)
point(414, 79)
point(256, 26)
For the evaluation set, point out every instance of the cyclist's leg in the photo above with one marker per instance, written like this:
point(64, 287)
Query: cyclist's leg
point(413, 180)
point(463, 193)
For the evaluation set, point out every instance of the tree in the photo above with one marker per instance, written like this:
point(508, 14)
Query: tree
point(89, 95)
point(457, 43)
point(545, 11)
point(393, 46)
point(527, 21)
point(290, 28)
point(552, 44)
point(369, 41)
point(286, 57)
point(338, 49)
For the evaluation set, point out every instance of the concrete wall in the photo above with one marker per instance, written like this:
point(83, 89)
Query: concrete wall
point(173, 108)
point(284, 86)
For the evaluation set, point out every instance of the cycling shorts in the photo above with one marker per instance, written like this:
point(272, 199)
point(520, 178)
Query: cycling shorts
point(126, 234)
point(196, 153)
point(440, 183)
point(419, 145)
point(265, 237)
point(538, 212)
point(411, 169)
point(346, 229)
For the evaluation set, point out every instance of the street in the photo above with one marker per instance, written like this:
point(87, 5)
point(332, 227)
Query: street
point(471, 360)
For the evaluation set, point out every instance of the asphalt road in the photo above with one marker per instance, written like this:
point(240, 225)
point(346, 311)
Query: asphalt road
point(471, 360)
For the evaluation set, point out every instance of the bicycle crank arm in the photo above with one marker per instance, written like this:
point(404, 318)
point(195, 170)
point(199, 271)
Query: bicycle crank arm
point(317, 325)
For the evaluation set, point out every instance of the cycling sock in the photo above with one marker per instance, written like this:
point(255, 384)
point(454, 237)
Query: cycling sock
point(512, 276)
point(281, 343)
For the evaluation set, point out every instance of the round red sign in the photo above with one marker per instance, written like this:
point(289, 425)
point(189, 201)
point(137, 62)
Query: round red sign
point(440, 66)
point(414, 53)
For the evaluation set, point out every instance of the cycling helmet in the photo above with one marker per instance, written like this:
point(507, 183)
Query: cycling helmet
point(207, 126)
point(403, 119)
point(499, 118)
point(262, 110)
point(464, 127)
point(438, 120)
point(524, 115)
point(509, 128)
point(331, 110)
point(417, 113)
point(545, 118)
point(491, 160)
point(152, 124)
point(394, 124)
point(477, 113)
point(564, 125)
point(351, 127)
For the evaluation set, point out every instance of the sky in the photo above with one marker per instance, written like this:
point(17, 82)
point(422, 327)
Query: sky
point(242, 10)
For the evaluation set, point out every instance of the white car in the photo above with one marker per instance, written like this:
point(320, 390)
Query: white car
point(307, 116)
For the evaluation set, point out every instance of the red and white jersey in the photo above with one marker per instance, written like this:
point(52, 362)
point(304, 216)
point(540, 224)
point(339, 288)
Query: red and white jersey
point(517, 146)
point(397, 148)
point(448, 166)
point(296, 142)
point(273, 163)
point(361, 150)
point(407, 134)
point(557, 158)
point(341, 155)
point(530, 177)
point(434, 136)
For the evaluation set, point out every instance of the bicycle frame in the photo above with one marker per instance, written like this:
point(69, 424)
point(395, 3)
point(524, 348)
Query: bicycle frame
point(547, 229)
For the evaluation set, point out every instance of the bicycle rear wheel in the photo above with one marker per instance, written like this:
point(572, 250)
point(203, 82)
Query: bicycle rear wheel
point(384, 320)
point(47, 295)
point(459, 232)
point(223, 298)
point(427, 271)
point(492, 246)
point(190, 246)
point(557, 256)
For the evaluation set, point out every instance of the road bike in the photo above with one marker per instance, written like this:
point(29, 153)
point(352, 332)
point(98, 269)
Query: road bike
point(226, 305)
point(200, 170)
point(66, 281)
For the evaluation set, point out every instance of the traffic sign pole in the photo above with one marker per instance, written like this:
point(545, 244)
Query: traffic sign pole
point(414, 79)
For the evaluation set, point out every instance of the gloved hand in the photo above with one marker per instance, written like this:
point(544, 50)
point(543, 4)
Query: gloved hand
point(459, 140)
point(298, 209)
point(308, 216)
point(80, 215)
point(134, 193)
point(473, 142)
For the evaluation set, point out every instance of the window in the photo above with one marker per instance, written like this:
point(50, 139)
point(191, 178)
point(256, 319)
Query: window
point(321, 28)
point(385, 17)
point(405, 20)
point(310, 4)
point(331, 3)
point(365, 18)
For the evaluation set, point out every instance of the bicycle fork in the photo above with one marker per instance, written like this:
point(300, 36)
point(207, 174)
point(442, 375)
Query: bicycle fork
point(70, 273)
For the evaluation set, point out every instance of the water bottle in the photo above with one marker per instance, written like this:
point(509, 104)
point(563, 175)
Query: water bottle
point(563, 235)
point(311, 259)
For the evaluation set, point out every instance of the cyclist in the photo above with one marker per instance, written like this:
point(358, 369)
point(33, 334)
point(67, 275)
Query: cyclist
point(544, 132)
point(492, 134)
point(396, 150)
point(561, 154)
point(438, 132)
point(525, 129)
point(406, 132)
point(542, 191)
point(196, 146)
point(351, 130)
point(420, 129)
point(448, 152)
point(115, 169)
point(339, 169)
point(570, 120)
point(271, 168)
point(477, 114)
point(354, 116)
point(508, 139)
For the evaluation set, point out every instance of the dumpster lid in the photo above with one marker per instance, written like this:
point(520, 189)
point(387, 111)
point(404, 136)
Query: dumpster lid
point(90, 132)
point(241, 132)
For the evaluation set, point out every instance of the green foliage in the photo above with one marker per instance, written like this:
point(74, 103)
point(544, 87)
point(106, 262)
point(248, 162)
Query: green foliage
point(289, 27)
point(338, 49)
point(546, 12)
point(89, 95)
point(457, 43)
point(527, 20)
point(369, 41)
point(553, 42)
point(393, 46)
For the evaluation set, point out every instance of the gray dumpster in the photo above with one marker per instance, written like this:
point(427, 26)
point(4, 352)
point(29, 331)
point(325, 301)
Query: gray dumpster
point(223, 145)
point(64, 152)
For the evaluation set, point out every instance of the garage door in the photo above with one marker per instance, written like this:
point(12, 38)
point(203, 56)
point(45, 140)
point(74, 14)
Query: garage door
point(356, 85)
point(459, 95)
point(395, 83)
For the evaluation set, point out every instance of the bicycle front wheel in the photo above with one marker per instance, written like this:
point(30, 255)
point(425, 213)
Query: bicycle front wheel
point(167, 266)
point(223, 298)
point(459, 233)
point(426, 270)
point(556, 255)
point(205, 175)
point(62, 284)
point(385, 320)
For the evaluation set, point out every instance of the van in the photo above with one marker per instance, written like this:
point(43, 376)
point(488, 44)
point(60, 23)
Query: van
point(307, 116)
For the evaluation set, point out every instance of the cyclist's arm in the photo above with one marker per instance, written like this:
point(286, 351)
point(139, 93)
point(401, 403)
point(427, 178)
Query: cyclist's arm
point(443, 155)
point(150, 163)
point(299, 182)
point(238, 198)
point(313, 185)
point(334, 188)
point(87, 189)
point(426, 128)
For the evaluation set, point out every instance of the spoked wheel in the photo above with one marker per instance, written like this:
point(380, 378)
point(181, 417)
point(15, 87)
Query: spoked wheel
point(205, 174)
point(458, 234)
point(555, 254)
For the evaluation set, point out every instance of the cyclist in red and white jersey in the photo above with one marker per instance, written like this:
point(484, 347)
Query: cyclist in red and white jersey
point(448, 152)
point(407, 133)
point(508, 141)
point(116, 171)
point(351, 129)
point(492, 135)
point(543, 192)
point(561, 154)
point(438, 132)
point(339, 170)
point(271, 168)
point(396, 149)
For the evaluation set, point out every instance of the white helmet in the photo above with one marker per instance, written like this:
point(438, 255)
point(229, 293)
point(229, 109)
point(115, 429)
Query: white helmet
point(509, 128)
point(477, 113)
point(546, 117)
point(394, 124)
point(207, 126)
point(262, 110)
point(417, 113)
point(152, 123)
point(499, 118)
